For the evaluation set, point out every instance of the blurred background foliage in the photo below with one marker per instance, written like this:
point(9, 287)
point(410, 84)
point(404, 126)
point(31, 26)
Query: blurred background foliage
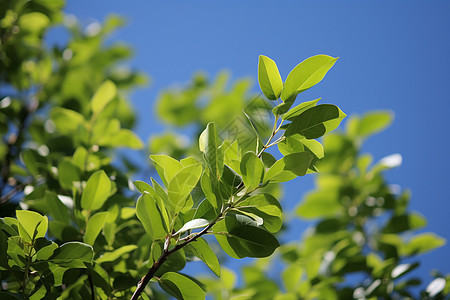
point(65, 113)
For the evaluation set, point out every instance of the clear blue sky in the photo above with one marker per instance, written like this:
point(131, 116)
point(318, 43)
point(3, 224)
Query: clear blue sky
point(393, 55)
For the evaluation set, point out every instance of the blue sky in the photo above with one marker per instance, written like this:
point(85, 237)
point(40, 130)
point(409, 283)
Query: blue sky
point(393, 55)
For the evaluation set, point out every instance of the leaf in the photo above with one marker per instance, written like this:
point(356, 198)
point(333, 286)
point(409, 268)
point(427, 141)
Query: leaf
point(57, 209)
point(94, 226)
point(266, 207)
point(166, 167)
point(422, 243)
point(144, 187)
point(32, 225)
point(269, 78)
point(374, 122)
point(98, 189)
point(67, 174)
point(401, 223)
point(209, 190)
point(307, 74)
point(117, 253)
point(150, 216)
point(322, 203)
point(181, 287)
point(193, 224)
point(182, 184)
point(314, 146)
point(289, 167)
point(200, 249)
point(252, 170)
point(205, 211)
point(44, 248)
point(316, 121)
point(299, 109)
point(66, 121)
point(73, 254)
point(209, 144)
point(122, 138)
point(239, 237)
point(104, 94)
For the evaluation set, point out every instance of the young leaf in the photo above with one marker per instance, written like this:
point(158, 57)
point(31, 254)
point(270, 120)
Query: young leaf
point(182, 184)
point(166, 167)
point(94, 226)
point(239, 237)
point(266, 207)
point(200, 249)
point(314, 146)
point(104, 94)
point(209, 190)
point(296, 111)
point(252, 170)
point(289, 167)
point(269, 78)
point(374, 122)
point(161, 202)
point(98, 189)
point(32, 225)
point(151, 218)
point(193, 224)
point(209, 144)
point(316, 121)
point(307, 74)
point(181, 287)
point(113, 255)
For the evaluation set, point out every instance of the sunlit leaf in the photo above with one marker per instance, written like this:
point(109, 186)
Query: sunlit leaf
point(269, 78)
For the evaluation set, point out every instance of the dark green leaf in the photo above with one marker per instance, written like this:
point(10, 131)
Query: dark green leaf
point(239, 237)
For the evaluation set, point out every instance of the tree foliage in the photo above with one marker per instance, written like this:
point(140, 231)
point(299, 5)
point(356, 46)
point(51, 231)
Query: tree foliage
point(71, 226)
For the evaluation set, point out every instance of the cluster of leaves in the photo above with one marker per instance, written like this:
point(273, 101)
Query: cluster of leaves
point(229, 202)
point(364, 229)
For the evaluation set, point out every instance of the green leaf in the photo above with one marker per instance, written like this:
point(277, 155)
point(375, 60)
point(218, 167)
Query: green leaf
point(57, 209)
point(73, 254)
point(209, 190)
point(44, 248)
point(239, 237)
point(117, 253)
point(322, 203)
point(307, 74)
point(269, 78)
point(66, 121)
point(266, 207)
point(98, 189)
point(122, 138)
point(252, 170)
point(94, 226)
point(205, 211)
point(422, 243)
point(209, 143)
point(104, 94)
point(161, 202)
point(182, 184)
point(181, 287)
point(67, 174)
point(150, 216)
point(32, 225)
point(33, 22)
point(200, 249)
point(374, 122)
point(314, 146)
point(401, 223)
point(299, 109)
point(193, 224)
point(289, 167)
point(316, 121)
point(166, 167)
